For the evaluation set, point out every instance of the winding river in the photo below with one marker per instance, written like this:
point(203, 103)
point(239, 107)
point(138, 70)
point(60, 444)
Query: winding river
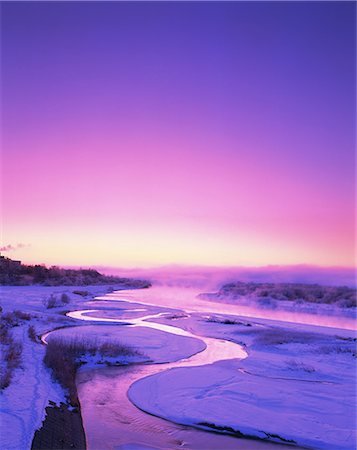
point(112, 422)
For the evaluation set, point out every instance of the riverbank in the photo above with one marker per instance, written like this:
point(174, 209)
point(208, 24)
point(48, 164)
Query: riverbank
point(296, 387)
point(24, 401)
point(292, 370)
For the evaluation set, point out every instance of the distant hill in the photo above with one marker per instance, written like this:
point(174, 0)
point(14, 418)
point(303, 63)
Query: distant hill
point(14, 273)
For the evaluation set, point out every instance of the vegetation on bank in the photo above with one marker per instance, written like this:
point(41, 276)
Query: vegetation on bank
point(65, 356)
point(14, 273)
point(10, 348)
point(226, 321)
point(11, 356)
point(341, 296)
point(54, 301)
point(239, 434)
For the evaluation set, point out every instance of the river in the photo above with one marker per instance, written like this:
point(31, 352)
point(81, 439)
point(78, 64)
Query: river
point(111, 421)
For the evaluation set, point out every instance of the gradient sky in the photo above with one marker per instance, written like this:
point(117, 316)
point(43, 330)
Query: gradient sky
point(191, 133)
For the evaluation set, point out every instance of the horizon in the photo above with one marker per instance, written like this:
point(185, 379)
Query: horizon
point(211, 277)
point(190, 134)
point(173, 266)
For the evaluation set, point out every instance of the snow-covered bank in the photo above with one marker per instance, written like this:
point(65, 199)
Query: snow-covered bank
point(110, 419)
point(297, 384)
point(280, 305)
point(152, 345)
point(190, 300)
point(23, 402)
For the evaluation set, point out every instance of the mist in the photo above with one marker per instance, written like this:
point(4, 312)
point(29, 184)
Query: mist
point(210, 278)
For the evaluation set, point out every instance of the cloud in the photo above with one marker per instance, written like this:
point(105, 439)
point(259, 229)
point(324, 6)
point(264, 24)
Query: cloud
point(11, 248)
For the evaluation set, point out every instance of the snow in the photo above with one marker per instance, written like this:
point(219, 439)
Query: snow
point(287, 380)
point(303, 389)
point(191, 301)
point(153, 345)
point(23, 402)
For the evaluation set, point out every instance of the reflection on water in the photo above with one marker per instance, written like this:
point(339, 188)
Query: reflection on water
point(216, 349)
point(112, 422)
point(187, 299)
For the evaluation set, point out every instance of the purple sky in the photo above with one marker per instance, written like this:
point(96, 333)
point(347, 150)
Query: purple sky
point(193, 133)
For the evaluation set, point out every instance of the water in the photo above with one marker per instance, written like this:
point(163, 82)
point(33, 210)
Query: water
point(111, 421)
point(187, 299)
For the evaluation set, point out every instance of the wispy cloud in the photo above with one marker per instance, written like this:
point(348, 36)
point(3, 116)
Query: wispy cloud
point(11, 248)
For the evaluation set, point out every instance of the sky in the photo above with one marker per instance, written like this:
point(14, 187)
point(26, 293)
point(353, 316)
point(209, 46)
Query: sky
point(210, 133)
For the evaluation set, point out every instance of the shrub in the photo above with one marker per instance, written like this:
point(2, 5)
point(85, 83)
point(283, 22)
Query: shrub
point(10, 355)
point(22, 315)
point(300, 366)
point(114, 349)
point(81, 293)
point(176, 316)
point(9, 319)
point(64, 357)
point(50, 302)
point(32, 333)
point(54, 302)
point(339, 349)
point(342, 296)
point(15, 273)
point(279, 336)
point(13, 318)
point(213, 319)
point(64, 367)
point(65, 299)
point(5, 378)
point(4, 334)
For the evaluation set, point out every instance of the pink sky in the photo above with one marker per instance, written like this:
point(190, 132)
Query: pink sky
point(196, 142)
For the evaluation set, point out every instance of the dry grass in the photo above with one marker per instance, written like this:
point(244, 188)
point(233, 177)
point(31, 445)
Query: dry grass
point(224, 321)
point(338, 349)
point(176, 316)
point(65, 299)
point(50, 302)
point(300, 366)
point(54, 301)
point(341, 296)
point(22, 315)
point(82, 293)
point(64, 357)
point(32, 333)
point(11, 351)
point(279, 336)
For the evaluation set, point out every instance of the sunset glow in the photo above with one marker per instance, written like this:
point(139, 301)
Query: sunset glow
point(189, 133)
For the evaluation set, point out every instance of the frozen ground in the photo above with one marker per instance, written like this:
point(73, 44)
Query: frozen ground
point(23, 402)
point(153, 345)
point(297, 385)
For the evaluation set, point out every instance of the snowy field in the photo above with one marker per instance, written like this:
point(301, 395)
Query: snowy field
point(31, 388)
point(277, 381)
point(297, 384)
